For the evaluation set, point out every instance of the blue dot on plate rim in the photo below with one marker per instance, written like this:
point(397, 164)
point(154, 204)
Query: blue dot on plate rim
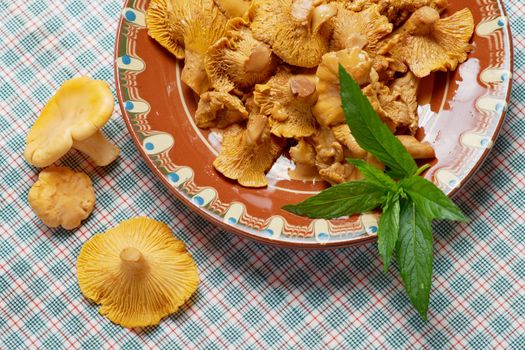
point(500, 107)
point(130, 15)
point(149, 146)
point(452, 183)
point(268, 232)
point(129, 105)
point(505, 76)
point(323, 236)
point(484, 142)
point(198, 200)
point(173, 177)
point(373, 229)
point(232, 220)
point(501, 23)
point(126, 59)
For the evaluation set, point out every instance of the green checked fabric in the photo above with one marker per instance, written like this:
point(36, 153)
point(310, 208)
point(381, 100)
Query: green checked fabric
point(251, 296)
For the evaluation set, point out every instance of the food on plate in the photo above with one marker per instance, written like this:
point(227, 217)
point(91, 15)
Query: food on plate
point(62, 197)
point(233, 8)
point(298, 31)
point(238, 60)
point(428, 43)
point(271, 70)
point(328, 110)
point(187, 28)
point(287, 100)
point(137, 271)
point(72, 118)
point(396, 103)
point(417, 149)
point(364, 29)
point(219, 110)
point(249, 152)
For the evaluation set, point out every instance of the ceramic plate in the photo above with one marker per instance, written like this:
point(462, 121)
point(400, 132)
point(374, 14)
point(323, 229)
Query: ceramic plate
point(461, 114)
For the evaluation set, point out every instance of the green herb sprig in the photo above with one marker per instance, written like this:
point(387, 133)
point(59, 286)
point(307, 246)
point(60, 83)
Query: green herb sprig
point(409, 203)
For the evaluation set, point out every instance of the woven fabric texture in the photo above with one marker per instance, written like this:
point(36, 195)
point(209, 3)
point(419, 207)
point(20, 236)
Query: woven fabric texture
point(251, 296)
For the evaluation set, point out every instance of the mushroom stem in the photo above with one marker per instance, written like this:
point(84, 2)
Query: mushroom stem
point(422, 21)
point(260, 59)
point(417, 150)
point(255, 129)
point(302, 10)
point(98, 148)
point(131, 255)
point(132, 260)
point(194, 74)
point(321, 14)
point(302, 87)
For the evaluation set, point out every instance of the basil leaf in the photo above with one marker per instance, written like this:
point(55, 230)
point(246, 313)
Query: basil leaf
point(370, 132)
point(388, 232)
point(341, 200)
point(414, 255)
point(373, 174)
point(431, 200)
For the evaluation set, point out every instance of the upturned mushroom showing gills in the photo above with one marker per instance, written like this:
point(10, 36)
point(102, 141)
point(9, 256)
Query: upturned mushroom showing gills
point(238, 60)
point(248, 153)
point(363, 30)
point(72, 118)
point(287, 100)
point(62, 197)
point(428, 43)
point(219, 110)
point(137, 271)
point(187, 28)
point(297, 30)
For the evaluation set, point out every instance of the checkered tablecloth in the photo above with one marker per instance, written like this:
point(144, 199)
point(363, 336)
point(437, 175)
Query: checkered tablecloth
point(251, 296)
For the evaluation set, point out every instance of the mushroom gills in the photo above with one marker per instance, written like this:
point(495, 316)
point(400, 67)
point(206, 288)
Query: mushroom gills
point(248, 153)
point(137, 271)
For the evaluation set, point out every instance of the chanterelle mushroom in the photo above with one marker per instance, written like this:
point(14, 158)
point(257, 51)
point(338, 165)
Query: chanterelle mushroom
point(397, 11)
point(396, 104)
point(238, 60)
point(362, 29)
point(187, 28)
point(297, 30)
point(428, 43)
point(62, 197)
point(329, 158)
point(287, 99)
point(338, 173)
point(219, 110)
point(137, 271)
point(417, 149)
point(248, 153)
point(357, 62)
point(233, 8)
point(328, 150)
point(72, 118)
point(344, 137)
point(303, 155)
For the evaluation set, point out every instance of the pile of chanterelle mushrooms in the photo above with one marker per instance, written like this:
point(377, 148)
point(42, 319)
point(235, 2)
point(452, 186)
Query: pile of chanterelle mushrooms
point(267, 74)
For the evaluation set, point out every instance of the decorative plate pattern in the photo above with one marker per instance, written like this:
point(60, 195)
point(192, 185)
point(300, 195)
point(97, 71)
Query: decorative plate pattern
point(461, 114)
